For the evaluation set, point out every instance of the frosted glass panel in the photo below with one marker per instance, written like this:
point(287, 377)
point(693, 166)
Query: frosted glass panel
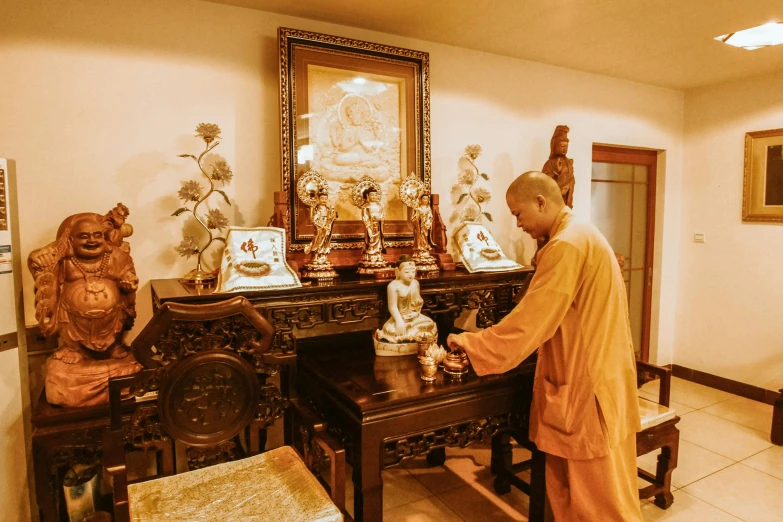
point(640, 173)
point(612, 172)
point(636, 307)
point(639, 232)
point(610, 211)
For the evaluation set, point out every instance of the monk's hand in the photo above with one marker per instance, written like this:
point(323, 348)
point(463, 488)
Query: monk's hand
point(453, 342)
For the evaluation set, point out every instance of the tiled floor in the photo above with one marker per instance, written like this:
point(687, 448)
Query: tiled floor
point(727, 471)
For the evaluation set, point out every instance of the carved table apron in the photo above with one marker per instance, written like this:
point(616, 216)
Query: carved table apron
point(383, 413)
point(351, 303)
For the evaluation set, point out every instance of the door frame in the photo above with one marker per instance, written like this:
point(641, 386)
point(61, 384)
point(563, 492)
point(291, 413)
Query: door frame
point(648, 158)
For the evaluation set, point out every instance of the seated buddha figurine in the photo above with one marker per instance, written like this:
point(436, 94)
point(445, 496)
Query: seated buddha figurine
point(407, 325)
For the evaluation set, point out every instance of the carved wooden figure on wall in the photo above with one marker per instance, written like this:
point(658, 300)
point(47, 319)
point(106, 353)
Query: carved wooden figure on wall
point(559, 167)
point(86, 296)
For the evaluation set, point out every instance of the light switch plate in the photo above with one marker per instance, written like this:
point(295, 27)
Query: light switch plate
point(699, 237)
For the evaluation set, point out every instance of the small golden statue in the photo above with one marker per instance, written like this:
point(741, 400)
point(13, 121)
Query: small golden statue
point(407, 326)
point(366, 194)
point(559, 167)
point(415, 196)
point(86, 295)
point(313, 190)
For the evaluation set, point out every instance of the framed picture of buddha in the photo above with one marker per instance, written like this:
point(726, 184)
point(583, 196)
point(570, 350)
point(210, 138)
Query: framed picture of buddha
point(762, 195)
point(352, 109)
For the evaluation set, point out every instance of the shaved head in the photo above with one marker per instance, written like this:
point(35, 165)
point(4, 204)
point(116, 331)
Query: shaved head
point(535, 201)
point(531, 184)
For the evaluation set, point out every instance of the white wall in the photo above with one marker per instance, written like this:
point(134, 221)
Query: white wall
point(13, 455)
point(102, 96)
point(730, 303)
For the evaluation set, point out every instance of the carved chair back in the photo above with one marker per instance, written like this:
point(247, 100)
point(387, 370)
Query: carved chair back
point(208, 365)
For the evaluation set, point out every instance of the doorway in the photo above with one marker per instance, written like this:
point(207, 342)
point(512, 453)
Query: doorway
point(622, 194)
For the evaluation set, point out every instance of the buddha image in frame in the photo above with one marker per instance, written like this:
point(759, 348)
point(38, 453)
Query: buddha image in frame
point(357, 128)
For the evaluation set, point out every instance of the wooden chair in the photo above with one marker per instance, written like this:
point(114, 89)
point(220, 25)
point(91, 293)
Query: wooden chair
point(659, 431)
point(203, 401)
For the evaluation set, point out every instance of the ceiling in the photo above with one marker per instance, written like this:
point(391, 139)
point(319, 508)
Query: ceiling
point(661, 42)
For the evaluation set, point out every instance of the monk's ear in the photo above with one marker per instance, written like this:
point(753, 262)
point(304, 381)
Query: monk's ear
point(541, 202)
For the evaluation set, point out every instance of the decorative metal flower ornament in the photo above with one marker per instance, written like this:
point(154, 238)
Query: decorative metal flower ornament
point(471, 211)
point(193, 192)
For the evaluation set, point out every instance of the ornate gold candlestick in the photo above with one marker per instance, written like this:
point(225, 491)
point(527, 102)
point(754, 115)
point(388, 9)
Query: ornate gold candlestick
point(414, 194)
point(313, 191)
point(366, 195)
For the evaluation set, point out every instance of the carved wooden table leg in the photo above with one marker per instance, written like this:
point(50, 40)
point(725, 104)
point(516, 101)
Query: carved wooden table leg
point(667, 461)
point(539, 508)
point(367, 483)
point(436, 457)
point(501, 462)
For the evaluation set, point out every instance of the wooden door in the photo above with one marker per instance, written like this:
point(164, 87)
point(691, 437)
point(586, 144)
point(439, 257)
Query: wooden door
point(622, 196)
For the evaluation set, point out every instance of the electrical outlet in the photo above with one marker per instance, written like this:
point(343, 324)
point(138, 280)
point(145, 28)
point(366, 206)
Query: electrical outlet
point(699, 237)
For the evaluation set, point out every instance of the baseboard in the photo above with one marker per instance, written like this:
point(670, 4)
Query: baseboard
point(721, 383)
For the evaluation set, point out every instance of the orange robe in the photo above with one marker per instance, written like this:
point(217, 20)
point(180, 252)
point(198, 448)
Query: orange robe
point(585, 405)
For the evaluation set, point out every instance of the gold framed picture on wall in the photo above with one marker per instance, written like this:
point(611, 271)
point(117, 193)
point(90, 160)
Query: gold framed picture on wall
point(352, 109)
point(762, 194)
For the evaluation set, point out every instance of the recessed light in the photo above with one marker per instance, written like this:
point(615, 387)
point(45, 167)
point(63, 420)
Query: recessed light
point(756, 37)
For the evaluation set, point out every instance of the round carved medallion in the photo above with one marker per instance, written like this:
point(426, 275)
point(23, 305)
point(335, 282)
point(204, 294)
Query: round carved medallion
point(208, 398)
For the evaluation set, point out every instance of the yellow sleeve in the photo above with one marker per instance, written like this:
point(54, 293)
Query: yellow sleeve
point(535, 319)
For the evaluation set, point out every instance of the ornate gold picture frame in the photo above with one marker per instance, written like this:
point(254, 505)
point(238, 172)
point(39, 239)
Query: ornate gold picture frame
point(349, 109)
point(762, 194)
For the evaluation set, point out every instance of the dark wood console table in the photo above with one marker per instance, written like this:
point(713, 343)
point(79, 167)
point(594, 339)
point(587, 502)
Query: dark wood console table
point(383, 413)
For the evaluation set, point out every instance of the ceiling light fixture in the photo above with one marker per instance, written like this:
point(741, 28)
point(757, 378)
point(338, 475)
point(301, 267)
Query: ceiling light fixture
point(755, 37)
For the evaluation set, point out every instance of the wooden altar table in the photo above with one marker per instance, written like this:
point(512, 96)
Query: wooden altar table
point(383, 413)
point(378, 407)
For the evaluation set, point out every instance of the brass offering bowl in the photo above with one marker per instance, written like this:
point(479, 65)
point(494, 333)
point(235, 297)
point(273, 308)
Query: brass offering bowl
point(456, 365)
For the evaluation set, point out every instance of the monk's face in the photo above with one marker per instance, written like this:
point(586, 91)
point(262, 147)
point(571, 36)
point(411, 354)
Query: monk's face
point(530, 213)
point(87, 239)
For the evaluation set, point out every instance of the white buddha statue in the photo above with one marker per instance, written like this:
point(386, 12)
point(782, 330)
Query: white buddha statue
point(406, 326)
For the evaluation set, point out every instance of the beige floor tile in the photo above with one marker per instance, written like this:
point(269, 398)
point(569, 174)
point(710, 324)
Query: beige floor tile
point(462, 466)
point(720, 436)
point(400, 488)
point(752, 414)
point(742, 491)
point(439, 479)
point(686, 508)
point(680, 408)
point(769, 461)
point(696, 395)
point(693, 463)
point(478, 502)
point(430, 509)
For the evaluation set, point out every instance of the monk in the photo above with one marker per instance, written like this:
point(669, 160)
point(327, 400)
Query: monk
point(584, 414)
